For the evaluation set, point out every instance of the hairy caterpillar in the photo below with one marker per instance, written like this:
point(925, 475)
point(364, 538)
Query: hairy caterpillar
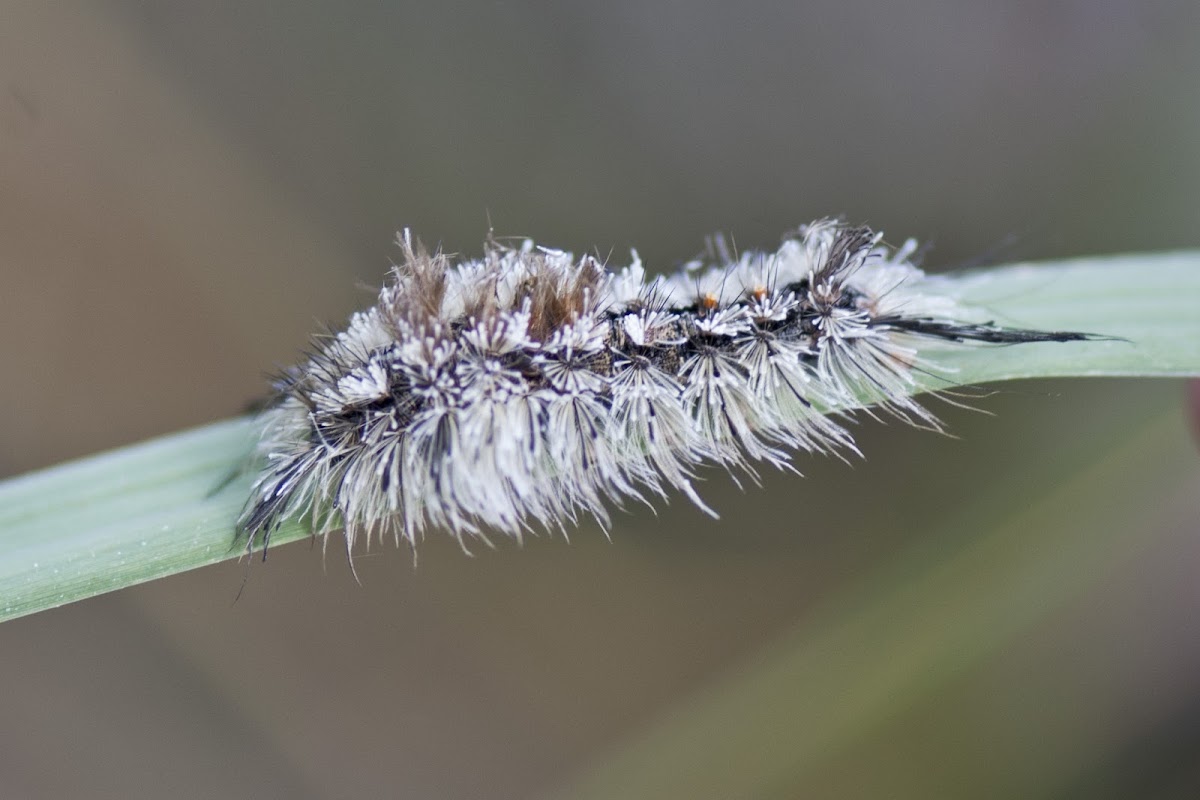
point(527, 386)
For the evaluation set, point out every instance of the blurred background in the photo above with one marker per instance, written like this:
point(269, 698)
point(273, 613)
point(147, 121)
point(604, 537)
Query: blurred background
point(187, 190)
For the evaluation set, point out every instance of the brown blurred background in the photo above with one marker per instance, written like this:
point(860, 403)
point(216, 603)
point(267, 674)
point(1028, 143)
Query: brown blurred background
point(188, 189)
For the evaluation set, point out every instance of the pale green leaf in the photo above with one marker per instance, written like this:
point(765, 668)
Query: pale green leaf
point(153, 509)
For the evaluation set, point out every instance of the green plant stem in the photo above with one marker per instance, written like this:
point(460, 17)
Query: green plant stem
point(153, 509)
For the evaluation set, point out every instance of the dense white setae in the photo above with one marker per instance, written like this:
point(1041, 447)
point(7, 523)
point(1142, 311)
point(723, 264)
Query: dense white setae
point(527, 386)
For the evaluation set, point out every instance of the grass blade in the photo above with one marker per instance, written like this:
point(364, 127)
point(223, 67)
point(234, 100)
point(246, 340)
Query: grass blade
point(153, 509)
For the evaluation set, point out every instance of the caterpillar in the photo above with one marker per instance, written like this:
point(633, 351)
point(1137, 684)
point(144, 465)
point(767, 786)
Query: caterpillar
point(525, 388)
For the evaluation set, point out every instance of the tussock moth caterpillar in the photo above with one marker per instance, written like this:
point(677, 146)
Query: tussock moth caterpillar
point(526, 387)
